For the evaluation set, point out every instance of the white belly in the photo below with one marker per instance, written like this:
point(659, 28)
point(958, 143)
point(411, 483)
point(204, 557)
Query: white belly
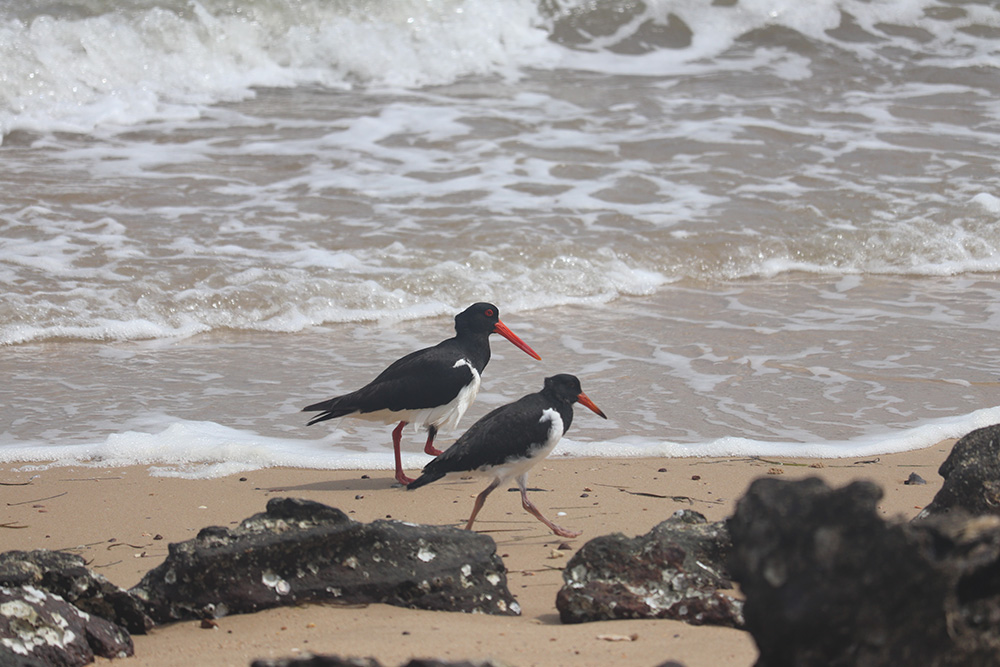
point(445, 417)
point(519, 467)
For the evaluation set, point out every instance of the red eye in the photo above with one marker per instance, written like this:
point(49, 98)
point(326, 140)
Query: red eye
point(489, 312)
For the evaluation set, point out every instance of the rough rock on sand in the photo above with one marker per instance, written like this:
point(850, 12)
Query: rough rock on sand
point(829, 582)
point(66, 575)
point(38, 626)
point(673, 571)
point(302, 551)
point(971, 476)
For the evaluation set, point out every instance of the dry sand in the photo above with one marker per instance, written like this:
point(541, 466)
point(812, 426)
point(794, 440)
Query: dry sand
point(121, 520)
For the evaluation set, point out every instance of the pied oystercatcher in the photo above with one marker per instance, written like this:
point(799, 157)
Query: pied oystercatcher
point(429, 388)
point(508, 441)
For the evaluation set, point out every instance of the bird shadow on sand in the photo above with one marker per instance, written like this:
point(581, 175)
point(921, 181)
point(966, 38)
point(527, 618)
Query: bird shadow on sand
point(372, 484)
point(548, 619)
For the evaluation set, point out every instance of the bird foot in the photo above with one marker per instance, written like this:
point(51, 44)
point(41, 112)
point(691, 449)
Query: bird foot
point(402, 479)
point(433, 451)
point(562, 532)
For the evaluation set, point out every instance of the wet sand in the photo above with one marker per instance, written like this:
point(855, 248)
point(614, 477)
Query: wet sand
point(122, 519)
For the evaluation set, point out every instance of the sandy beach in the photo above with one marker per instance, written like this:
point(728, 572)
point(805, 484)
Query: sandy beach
point(122, 519)
point(747, 232)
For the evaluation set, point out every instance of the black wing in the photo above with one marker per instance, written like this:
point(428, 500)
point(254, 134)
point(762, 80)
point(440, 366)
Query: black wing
point(423, 379)
point(509, 432)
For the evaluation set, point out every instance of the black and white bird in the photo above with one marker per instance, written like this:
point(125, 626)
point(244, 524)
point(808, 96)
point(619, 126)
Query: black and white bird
point(508, 441)
point(430, 388)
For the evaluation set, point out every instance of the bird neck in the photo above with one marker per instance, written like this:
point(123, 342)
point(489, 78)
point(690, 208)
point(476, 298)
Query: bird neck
point(562, 406)
point(476, 348)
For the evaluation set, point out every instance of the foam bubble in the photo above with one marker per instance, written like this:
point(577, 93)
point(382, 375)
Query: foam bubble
point(990, 203)
point(879, 441)
point(204, 450)
point(64, 70)
point(198, 449)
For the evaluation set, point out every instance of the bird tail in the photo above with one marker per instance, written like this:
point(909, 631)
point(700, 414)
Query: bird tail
point(425, 478)
point(331, 409)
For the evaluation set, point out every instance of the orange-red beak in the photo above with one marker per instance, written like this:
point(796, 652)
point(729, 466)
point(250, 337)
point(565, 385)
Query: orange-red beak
point(502, 329)
point(582, 399)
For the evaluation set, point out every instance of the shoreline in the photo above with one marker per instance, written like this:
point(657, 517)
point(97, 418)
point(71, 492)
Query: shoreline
point(121, 521)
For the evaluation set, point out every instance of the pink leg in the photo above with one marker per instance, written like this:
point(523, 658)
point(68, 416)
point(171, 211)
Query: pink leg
point(429, 447)
point(530, 506)
point(480, 499)
point(397, 435)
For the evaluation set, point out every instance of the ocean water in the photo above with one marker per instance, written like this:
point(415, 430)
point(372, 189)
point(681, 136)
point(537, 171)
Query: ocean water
point(751, 227)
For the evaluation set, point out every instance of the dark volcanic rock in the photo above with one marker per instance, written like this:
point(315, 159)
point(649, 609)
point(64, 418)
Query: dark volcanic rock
point(300, 551)
point(38, 626)
point(8, 658)
point(971, 476)
point(336, 661)
point(67, 576)
point(828, 582)
point(317, 661)
point(673, 571)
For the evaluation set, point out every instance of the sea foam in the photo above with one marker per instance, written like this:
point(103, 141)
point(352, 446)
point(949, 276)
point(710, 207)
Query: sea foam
point(202, 450)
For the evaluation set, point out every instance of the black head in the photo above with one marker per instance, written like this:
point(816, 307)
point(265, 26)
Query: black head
point(478, 318)
point(565, 387)
point(483, 319)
